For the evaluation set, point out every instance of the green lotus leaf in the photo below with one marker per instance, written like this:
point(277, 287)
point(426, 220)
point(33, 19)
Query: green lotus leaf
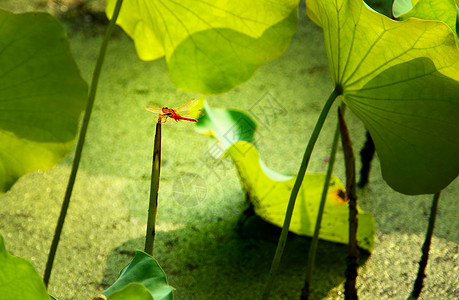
point(439, 10)
point(18, 278)
point(149, 277)
point(269, 191)
point(41, 95)
point(209, 47)
point(132, 291)
point(227, 126)
point(401, 80)
point(399, 7)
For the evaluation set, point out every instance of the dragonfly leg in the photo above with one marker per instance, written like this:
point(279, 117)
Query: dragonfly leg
point(162, 119)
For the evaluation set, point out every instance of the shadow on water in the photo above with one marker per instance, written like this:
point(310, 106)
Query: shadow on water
point(234, 263)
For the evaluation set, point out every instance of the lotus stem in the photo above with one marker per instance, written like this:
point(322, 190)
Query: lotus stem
point(315, 238)
point(79, 147)
point(366, 156)
point(350, 291)
point(296, 187)
point(154, 189)
point(419, 282)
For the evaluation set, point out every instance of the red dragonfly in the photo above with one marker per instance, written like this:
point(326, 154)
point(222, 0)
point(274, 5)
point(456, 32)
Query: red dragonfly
point(189, 111)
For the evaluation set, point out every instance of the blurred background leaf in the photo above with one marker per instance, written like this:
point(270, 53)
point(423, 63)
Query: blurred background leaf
point(209, 47)
point(42, 95)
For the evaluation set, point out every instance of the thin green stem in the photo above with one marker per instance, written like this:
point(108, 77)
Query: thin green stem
point(350, 291)
point(315, 238)
point(296, 187)
point(79, 147)
point(154, 188)
point(418, 284)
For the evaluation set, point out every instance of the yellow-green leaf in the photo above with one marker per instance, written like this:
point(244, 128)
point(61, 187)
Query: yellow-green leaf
point(269, 191)
point(270, 198)
point(439, 10)
point(212, 46)
point(402, 80)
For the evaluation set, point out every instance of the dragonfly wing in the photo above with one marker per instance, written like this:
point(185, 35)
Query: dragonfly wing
point(160, 117)
point(192, 108)
point(154, 109)
point(187, 106)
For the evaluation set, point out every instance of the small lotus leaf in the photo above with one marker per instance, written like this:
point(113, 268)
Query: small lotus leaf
point(18, 278)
